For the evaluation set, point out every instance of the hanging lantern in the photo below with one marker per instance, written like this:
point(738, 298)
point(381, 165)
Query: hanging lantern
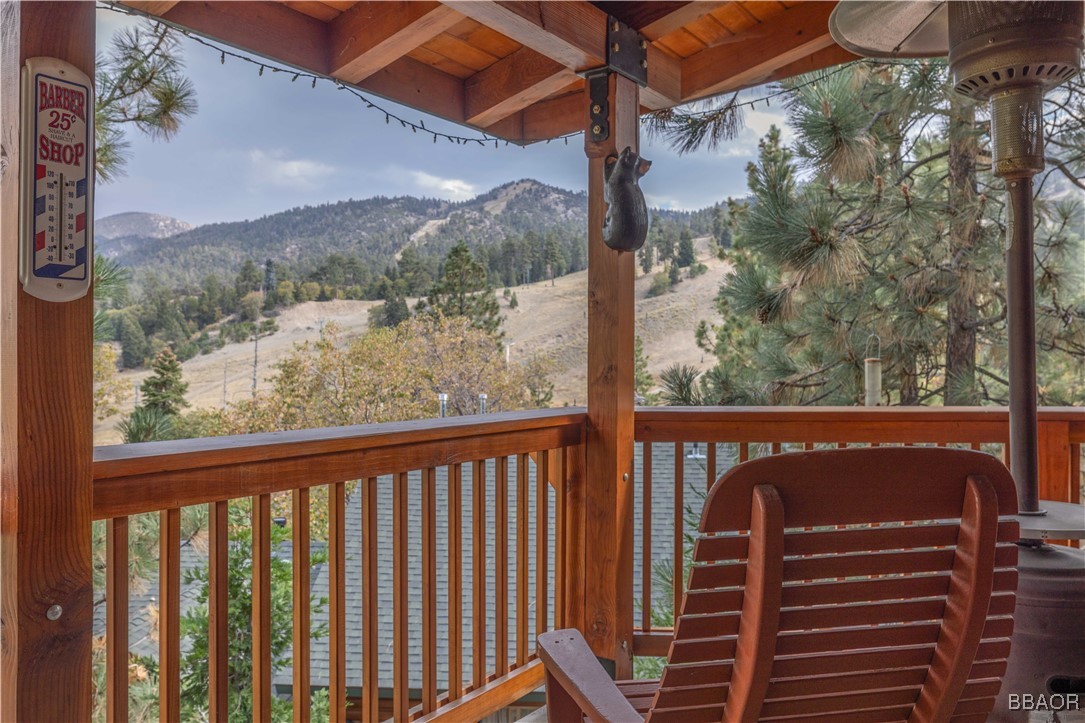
point(872, 372)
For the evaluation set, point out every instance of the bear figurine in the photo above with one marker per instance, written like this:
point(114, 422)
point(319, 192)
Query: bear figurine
point(626, 224)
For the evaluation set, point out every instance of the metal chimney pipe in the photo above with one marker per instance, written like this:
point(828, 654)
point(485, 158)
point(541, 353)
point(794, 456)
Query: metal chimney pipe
point(442, 405)
point(482, 403)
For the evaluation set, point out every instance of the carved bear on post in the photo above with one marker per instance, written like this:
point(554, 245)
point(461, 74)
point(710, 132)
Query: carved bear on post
point(626, 225)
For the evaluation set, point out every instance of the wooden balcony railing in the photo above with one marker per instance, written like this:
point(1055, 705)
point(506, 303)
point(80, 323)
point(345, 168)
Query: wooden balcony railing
point(398, 472)
point(452, 580)
point(681, 451)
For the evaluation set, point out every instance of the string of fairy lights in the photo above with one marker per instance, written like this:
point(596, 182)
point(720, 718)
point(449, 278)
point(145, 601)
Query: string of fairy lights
point(419, 126)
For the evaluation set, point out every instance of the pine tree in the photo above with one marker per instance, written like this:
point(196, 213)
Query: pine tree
point(164, 390)
point(463, 290)
point(642, 379)
point(139, 81)
point(895, 230)
point(686, 255)
point(646, 256)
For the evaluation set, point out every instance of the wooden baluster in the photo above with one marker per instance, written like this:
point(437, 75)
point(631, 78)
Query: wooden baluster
point(400, 600)
point(542, 540)
point(777, 448)
point(116, 623)
point(976, 446)
point(478, 574)
point(429, 590)
point(808, 446)
point(521, 558)
point(679, 523)
point(301, 562)
point(337, 602)
point(169, 615)
point(646, 543)
point(261, 608)
point(370, 587)
point(557, 469)
point(455, 581)
point(1075, 480)
point(501, 565)
point(710, 465)
point(218, 611)
point(743, 451)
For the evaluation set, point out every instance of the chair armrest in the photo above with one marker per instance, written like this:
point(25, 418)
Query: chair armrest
point(573, 665)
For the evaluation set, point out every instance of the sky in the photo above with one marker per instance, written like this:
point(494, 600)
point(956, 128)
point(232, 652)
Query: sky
point(263, 144)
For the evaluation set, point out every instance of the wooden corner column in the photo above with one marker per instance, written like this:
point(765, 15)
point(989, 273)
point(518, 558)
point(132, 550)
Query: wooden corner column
point(45, 424)
point(608, 504)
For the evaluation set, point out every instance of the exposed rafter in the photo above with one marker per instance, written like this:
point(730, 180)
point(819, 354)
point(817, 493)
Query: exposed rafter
point(372, 35)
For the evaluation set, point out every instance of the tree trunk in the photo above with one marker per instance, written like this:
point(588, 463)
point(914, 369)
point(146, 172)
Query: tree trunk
point(909, 381)
point(961, 388)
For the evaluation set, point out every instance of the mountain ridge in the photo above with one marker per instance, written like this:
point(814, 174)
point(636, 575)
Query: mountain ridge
point(374, 230)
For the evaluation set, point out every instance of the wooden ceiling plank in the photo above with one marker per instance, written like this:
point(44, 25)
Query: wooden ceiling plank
point(266, 28)
point(679, 18)
point(791, 36)
point(572, 33)
point(512, 84)
point(461, 51)
point(152, 7)
point(681, 43)
point(555, 117)
point(372, 35)
point(492, 41)
point(441, 63)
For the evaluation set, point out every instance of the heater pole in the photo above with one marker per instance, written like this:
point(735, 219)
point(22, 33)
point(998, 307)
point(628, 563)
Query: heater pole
point(1020, 292)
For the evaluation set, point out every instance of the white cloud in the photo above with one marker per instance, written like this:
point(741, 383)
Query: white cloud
point(454, 189)
point(273, 168)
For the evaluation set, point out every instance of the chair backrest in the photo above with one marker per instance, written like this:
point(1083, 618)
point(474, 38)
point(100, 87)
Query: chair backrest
point(869, 584)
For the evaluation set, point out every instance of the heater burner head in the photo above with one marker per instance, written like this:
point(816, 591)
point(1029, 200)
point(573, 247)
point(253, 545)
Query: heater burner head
point(998, 45)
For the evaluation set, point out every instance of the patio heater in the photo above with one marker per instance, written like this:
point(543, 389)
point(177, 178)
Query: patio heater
point(1009, 53)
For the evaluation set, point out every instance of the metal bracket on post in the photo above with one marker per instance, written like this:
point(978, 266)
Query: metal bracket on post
point(627, 51)
point(627, 55)
point(599, 112)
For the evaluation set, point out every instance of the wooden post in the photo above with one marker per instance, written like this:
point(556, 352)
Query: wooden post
point(608, 569)
point(45, 424)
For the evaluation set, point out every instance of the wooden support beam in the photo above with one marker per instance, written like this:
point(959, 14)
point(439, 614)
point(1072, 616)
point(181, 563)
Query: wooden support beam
point(266, 28)
point(45, 423)
point(512, 84)
point(608, 570)
point(372, 35)
point(571, 33)
point(418, 85)
point(795, 34)
point(152, 7)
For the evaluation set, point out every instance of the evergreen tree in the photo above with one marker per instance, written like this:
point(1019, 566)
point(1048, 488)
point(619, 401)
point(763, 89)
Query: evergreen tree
point(248, 279)
point(164, 390)
point(674, 276)
point(139, 81)
point(646, 256)
point(686, 255)
point(463, 290)
point(642, 379)
point(133, 341)
point(896, 230)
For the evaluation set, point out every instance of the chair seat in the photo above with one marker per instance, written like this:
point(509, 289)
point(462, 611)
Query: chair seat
point(639, 693)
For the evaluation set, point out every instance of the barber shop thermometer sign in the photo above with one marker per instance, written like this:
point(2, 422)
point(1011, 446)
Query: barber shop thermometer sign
point(57, 183)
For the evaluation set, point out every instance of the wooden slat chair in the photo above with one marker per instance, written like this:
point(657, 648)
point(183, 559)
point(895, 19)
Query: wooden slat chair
point(843, 585)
